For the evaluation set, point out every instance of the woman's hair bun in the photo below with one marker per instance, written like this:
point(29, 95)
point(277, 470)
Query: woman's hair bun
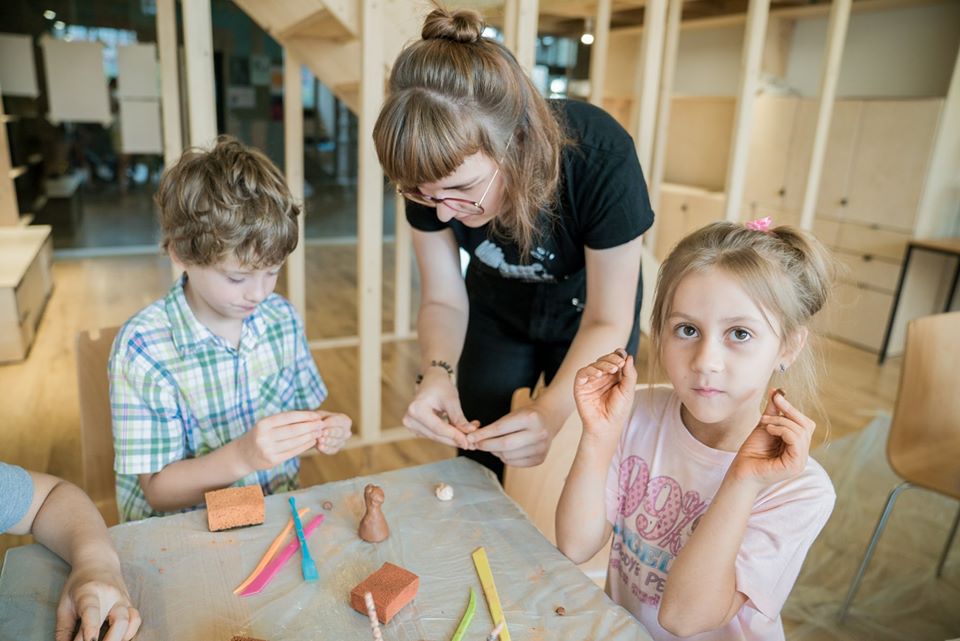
point(462, 25)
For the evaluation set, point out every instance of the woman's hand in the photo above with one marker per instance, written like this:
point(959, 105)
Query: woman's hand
point(94, 594)
point(604, 392)
point(521, 438)
point(435, 411)
point(777, 449)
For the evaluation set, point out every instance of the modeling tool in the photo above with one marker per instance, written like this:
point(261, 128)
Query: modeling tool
point(496, 631)
point(372, 615)
point(277, 542)
point(274, 566)
point(467, 617)
point(490, 590)
point(307, 566)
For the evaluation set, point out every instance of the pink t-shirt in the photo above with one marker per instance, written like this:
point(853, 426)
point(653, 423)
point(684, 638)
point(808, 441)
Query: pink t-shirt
point(661, 481)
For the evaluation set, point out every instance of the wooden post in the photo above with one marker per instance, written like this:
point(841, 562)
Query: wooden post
point(656, 170)
point(9, 208)
point(651, 48)
point(753, 38)
point(198, 44)
point(169, 80)
point(598, 52)
point(527, 22)
point(402, 270)
point(510, 10)
point(370, 220)
point(293, 166)
point(836, 37)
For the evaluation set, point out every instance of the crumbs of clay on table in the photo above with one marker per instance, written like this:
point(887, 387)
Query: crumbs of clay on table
point(239, 638)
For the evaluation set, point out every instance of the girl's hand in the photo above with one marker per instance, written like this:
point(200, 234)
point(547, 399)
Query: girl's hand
point(91, 596)
point(778, 447)
point(335, 432)
point(435, 411)
point(604, 393)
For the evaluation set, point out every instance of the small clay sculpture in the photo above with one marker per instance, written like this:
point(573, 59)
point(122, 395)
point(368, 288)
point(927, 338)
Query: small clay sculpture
point(443, 491)
point(373, 525)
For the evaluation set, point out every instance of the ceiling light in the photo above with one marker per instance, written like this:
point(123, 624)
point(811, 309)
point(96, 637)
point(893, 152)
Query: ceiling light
point(587, 39)
point(59, 25)
point(49, 14)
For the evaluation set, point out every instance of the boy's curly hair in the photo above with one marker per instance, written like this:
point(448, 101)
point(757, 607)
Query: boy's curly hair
point(228, 200)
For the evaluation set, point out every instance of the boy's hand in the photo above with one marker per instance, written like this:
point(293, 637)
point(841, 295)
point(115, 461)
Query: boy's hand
point(280, 437)
point(91, 596)
point(604, 393)
point(777, 449)
point(335, 432)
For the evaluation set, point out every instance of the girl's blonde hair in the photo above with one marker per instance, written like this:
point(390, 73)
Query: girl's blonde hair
point(455, 93)
point(787, 272)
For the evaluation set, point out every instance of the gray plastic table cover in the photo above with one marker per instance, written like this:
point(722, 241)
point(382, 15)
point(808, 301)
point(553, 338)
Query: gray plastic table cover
point(181, 576)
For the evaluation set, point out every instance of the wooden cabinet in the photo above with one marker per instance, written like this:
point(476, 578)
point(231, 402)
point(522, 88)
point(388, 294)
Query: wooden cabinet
point(684, 209)
point(770, 138)
point(25, 284)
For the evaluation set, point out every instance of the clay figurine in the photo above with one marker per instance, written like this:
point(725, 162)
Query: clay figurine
point(373, 525)
point(443, 491)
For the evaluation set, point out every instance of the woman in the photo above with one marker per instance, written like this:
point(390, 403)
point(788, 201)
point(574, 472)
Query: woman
point(549, 201)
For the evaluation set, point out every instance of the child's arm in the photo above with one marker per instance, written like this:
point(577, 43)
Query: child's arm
point(272, 441)
point(603, 392)
point(701, 592)
point(64, 519)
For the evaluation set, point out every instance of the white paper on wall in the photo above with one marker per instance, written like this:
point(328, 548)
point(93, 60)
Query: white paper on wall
point(18, 73)
point(140, 131)
point(76, 82)
point(137, 71)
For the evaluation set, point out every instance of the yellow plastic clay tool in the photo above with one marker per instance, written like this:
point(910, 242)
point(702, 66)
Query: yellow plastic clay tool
point(277, 542)
point(490, 590)
point(467, 617)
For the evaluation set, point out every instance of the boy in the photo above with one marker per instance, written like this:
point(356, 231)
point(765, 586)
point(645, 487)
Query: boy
point(60, 516)
point(214, 385)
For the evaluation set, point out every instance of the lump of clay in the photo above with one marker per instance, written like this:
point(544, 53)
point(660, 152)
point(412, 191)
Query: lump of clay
point(392, 587)
point(373, 525)
point(234, 507)
point(443, 491)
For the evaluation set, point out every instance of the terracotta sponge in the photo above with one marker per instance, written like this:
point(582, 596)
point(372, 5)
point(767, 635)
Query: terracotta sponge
point(392, 588)
point(234, 507)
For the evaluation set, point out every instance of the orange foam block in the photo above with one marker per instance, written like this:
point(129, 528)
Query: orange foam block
point(392, 588)
point(234, 507)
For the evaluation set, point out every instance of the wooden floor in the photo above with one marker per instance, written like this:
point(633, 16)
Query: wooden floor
point(40, 426)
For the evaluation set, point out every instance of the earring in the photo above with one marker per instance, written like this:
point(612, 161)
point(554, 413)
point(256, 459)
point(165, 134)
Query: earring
point(783, 368)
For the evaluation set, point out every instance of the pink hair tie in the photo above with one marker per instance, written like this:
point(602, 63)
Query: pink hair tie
point(760, 224)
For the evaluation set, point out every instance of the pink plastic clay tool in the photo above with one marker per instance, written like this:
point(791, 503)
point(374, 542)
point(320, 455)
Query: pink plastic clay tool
point(272, 568)
point(277, 542)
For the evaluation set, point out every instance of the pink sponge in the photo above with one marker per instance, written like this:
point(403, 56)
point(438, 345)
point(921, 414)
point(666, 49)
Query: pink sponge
point(392, 588)
point(234, 507)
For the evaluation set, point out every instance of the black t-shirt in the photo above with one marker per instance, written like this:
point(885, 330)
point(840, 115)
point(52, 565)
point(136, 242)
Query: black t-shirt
point(602, 203)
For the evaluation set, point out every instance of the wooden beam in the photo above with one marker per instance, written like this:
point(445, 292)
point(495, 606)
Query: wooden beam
point(9, 209)
point(510, 8)
point(651, 49)
point(940, 200)
point(293, 167)
point(656, 171)
point(198, 45)
point(370, 219)
point(169, 80)
point(836, 39)
point(527, 22)
point(598, 53)
point(402, 270)
point(749, 75)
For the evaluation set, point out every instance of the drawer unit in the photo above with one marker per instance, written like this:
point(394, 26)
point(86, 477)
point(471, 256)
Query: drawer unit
point(25, 284)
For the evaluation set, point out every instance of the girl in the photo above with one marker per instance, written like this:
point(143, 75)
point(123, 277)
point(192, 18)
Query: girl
point(709, 492)
point(549, 201)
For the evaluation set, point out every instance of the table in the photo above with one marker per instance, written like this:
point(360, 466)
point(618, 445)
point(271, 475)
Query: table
point(947, 246)
point(181, 576)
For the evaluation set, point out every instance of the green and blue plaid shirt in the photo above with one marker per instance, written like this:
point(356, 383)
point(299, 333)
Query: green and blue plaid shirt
point(179, 391)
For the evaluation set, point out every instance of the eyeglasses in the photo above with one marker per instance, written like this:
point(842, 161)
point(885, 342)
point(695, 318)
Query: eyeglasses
point(461, 205)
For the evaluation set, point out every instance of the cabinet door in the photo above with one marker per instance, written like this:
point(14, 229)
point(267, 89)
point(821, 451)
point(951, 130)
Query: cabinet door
point(798, 159)
point(838, 157)
point(670, 221)
point(858, 315)
point(891, 160)
point(704, 209)
point(772, 129)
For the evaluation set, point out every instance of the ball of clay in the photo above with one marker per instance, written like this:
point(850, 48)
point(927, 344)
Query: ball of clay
point(444, 492)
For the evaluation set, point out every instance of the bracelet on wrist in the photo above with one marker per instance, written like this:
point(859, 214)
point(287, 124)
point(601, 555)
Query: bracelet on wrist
point(444, 365)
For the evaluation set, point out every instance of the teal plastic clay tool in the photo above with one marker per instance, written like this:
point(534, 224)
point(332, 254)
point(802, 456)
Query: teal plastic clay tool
point(467, 617)
point(307, 565)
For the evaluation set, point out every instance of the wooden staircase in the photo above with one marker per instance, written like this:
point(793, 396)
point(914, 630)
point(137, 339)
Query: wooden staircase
point(324, 34)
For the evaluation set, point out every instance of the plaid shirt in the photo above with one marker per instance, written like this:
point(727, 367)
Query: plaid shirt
point(178, 391)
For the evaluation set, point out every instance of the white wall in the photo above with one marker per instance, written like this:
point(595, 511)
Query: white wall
point(900, 53)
